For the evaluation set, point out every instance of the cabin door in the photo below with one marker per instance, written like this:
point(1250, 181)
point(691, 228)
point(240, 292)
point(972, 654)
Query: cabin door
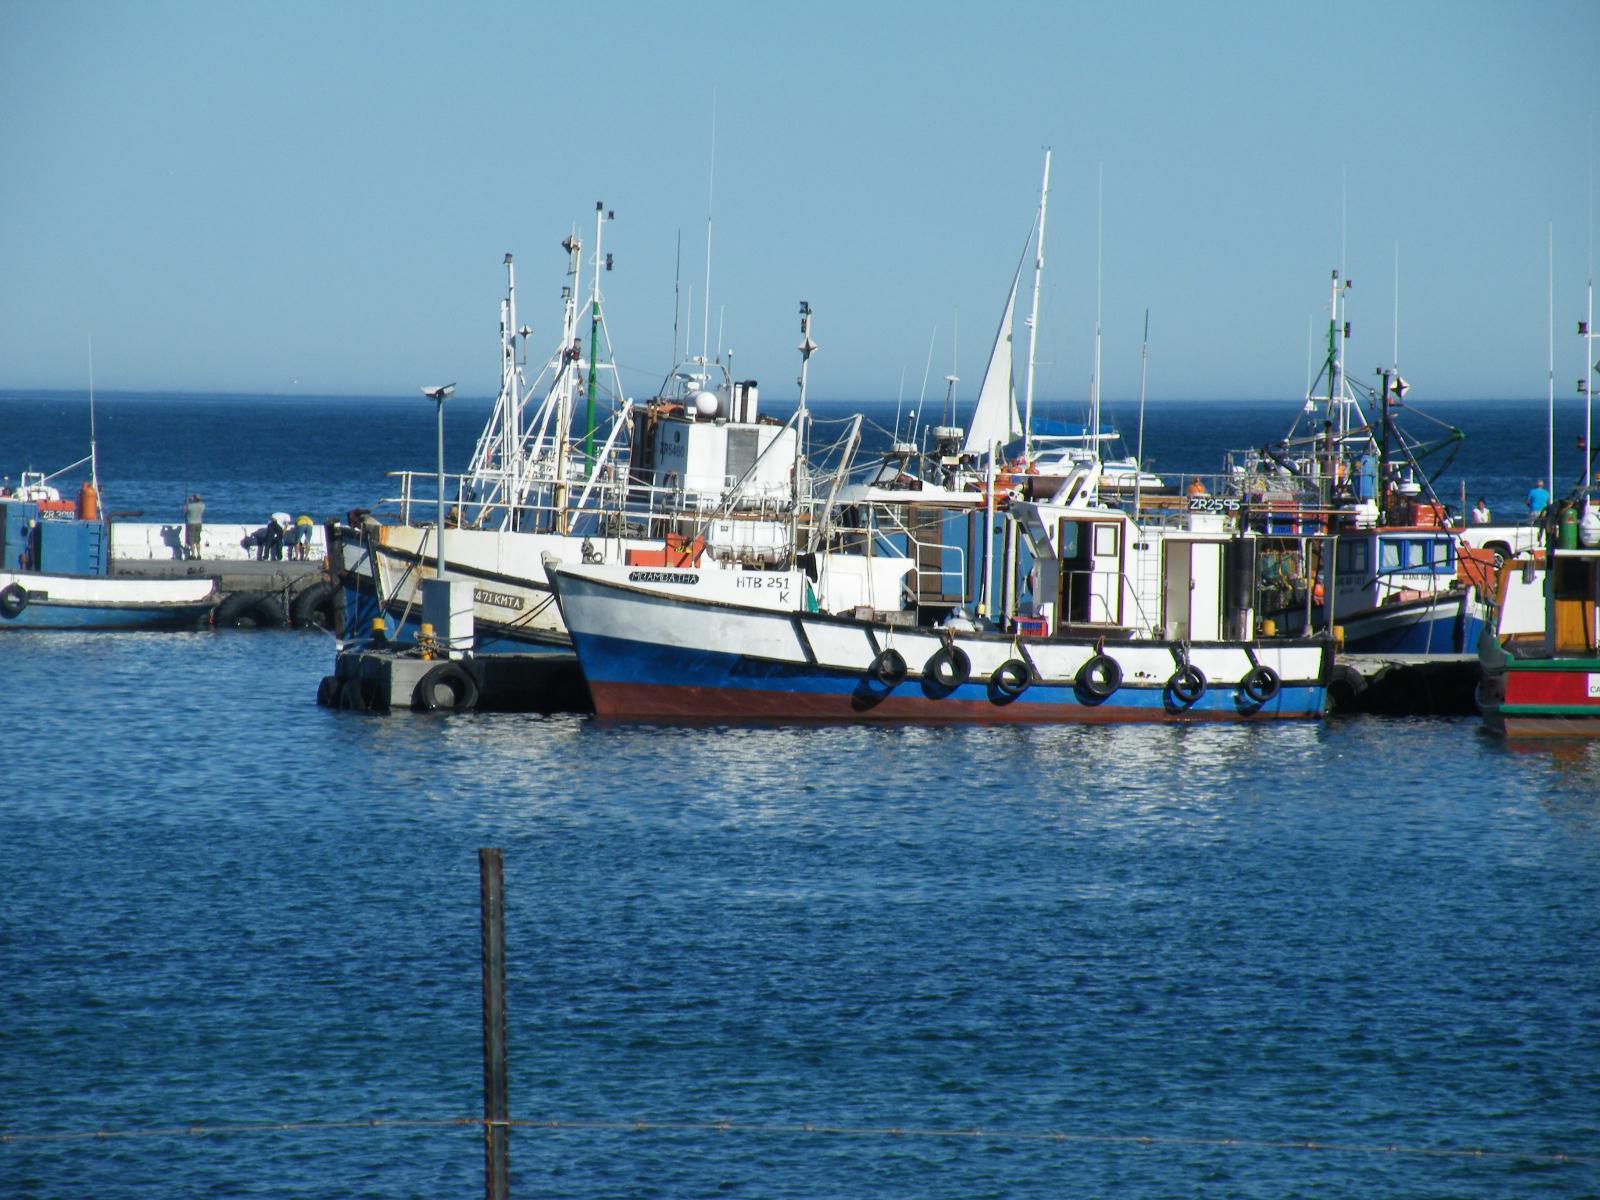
point(1192, 591)
point(1090, 557)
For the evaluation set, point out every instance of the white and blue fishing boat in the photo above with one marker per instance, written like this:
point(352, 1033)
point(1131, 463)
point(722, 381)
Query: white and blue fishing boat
point(1127, 623)
point(55, 567)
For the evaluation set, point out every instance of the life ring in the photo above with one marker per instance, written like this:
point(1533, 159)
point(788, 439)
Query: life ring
point(1008, 681)
point(1187, 684)
point(328, 692)
point(888, 668)
point(1098, 678)
point(313, 607)
point(948, 667)
point(1261, 684)
point(13, 599)
point(447, 686)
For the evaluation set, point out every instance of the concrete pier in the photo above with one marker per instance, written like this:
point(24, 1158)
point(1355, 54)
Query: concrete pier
point(262, 594)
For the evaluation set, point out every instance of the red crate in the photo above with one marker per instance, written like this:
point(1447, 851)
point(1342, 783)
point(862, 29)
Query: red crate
point(1033, 627)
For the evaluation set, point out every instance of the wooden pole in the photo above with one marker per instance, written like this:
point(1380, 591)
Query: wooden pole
point(496, 1108)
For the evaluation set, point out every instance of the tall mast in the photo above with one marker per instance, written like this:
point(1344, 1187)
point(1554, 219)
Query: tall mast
point(600, 218)
point(1099, 239)
point(94, 461)
point(1138, 457)
point(807, 349)
point(566, 373)
point(1550, 417)
point(1033, 316)
point(511, 426)
point(711, 194)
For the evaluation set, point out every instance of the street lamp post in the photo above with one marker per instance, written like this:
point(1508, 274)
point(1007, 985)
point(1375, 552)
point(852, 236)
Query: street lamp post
point(439, 395)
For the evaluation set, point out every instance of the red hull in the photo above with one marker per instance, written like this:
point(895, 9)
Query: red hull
point(658, 702)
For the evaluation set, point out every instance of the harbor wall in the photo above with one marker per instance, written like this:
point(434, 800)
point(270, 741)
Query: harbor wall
point(133, 541)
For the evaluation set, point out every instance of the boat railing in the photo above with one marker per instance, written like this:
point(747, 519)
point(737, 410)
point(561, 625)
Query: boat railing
point(1088, 595)
point(931, 558)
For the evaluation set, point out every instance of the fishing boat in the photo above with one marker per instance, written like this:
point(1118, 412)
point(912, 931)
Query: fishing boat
point(1541, 652)
point(1127, 623)
point(55, 566)
point(1400, 582)
point(696, 477)
point(1542, 678)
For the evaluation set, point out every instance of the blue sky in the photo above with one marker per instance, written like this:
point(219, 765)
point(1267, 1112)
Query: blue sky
point(317, 198)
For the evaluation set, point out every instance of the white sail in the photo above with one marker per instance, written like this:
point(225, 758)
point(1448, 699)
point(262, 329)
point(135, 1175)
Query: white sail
point(995, 419)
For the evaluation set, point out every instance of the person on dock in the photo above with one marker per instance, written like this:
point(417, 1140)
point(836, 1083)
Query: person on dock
point(1480, 512)
point(1538, 498)
point(1196, 488)
point(303, 525)
point(273, 548)
point(194, 515)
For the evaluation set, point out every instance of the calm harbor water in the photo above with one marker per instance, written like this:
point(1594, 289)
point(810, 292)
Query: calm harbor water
point(224, 908)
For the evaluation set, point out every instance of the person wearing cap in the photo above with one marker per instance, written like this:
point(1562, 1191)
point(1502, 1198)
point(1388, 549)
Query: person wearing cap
point(194, 512)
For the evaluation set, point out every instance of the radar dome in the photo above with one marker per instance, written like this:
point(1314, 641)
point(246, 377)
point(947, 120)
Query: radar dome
point(705, 404)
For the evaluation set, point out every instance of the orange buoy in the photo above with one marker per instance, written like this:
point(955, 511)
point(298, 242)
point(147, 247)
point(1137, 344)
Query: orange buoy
point(88, 502)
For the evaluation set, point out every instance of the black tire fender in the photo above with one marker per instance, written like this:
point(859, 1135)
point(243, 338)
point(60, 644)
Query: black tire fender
point(1261, 684)
point(328, 692)
point(13, 599)
point(314, 606)
point(1098, 678)
point(351, 697)
point(948, 667)
point(1187, 685)
point(259, 610)
point(447, 686)
point(268, 613)
point(888, 668)
point(1009, 680)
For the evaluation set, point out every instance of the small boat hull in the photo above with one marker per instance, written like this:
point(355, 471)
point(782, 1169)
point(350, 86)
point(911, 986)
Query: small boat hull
point(1445, 624)
point(30, 600)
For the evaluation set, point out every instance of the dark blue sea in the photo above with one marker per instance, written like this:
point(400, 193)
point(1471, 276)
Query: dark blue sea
point(239, 941)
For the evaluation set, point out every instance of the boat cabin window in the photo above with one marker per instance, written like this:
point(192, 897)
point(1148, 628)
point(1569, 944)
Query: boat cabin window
point(1416, 554)
point(1353, 558)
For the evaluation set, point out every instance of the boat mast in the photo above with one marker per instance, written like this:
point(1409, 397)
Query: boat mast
point(1587, 330)
point(600, 218)
point(1099, 259)
point(1550, 416)
point(1138, 457)
point(94, 461)
point(566, 375)
point(711, 194)
point(511, 426)
point(1033, 315)
point(807, 349)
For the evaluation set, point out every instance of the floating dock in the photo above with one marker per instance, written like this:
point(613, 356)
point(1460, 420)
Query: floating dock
point(382, 679)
